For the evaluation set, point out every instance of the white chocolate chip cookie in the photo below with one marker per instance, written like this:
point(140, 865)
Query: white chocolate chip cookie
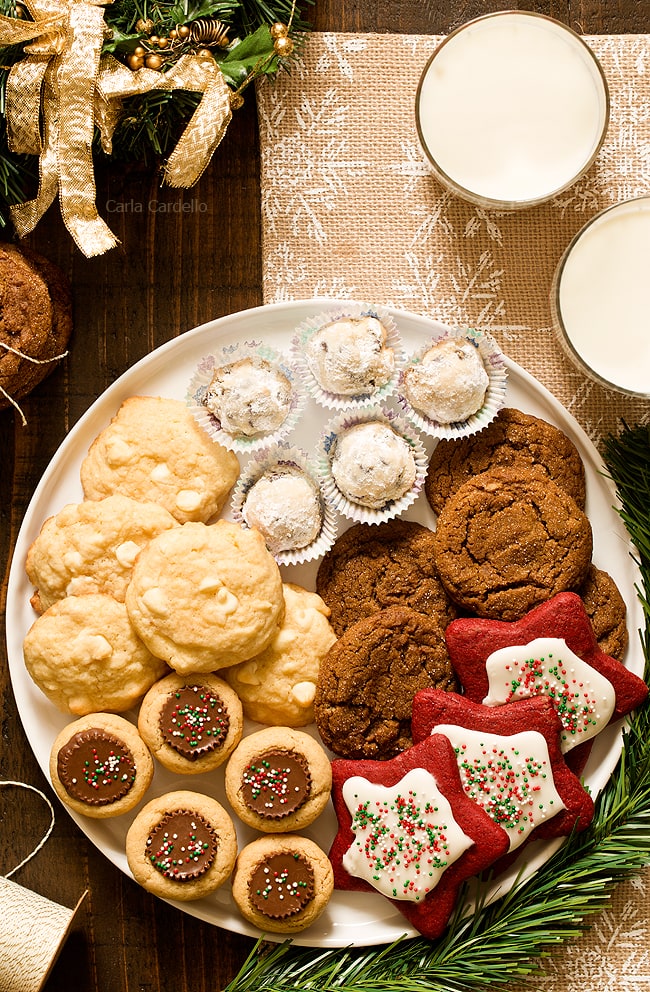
point(90, 547)
point(206, 596)
point(154, 450)
point(278, 686)
point(85, 656)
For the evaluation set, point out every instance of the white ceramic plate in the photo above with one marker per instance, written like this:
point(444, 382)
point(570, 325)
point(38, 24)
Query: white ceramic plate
point(350, 918)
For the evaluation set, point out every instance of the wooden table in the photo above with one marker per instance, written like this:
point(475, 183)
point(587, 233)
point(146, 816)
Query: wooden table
point(172, 272)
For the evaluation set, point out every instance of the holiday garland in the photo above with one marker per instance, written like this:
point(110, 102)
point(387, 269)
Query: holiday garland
point(138, 80)
point(505, 943)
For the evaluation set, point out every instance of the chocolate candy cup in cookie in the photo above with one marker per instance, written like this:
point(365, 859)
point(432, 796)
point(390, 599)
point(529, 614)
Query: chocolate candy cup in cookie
point(368, 679)
point(181, 846)
point(153, 450)
point(83, 653)
point(370, 568)
point(513, 438)
point(606, 610)
point(100, 766)
point(278, 780)
point(508, 540)
point(205, 596)
point(282, 883)
point(191, 723)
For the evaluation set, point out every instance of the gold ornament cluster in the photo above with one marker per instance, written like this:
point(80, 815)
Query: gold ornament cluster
point(198, 38)
point(282, 43)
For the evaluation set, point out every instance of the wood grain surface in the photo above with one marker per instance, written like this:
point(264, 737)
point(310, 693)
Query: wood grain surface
point(172, 272)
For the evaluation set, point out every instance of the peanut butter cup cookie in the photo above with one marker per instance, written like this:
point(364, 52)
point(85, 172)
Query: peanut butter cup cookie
point(100, 766)
point(368, 679)
point(282, 883)
point(370, 568)
point(182, 846)
point(512, 439)
point(508, 540)
point(278, 780)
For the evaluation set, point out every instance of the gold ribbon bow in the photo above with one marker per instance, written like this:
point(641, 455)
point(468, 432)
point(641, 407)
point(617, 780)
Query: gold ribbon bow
point(64, 73)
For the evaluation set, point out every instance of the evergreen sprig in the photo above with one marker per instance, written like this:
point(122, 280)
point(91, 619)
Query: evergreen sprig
point(506, 942)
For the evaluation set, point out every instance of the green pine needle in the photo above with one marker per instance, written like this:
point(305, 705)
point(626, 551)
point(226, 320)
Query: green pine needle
point(505, 943)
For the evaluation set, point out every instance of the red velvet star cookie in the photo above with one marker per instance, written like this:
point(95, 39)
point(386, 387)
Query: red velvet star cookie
point(553, 651)
point(408, 831)
point(510, 762)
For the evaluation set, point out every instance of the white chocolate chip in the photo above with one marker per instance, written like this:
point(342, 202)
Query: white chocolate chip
point(94, 646)
point(72, 560)
point(247, 674)
point(227, 600)
point(156, 601)
point(210, 583)
point(188, 500)
point(118, 452)
point(127, 552)
point(303, 693)
point(284, 639)
point(160, 472)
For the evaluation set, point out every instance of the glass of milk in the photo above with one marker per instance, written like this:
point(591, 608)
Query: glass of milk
point(600, 298)
point(511, 109)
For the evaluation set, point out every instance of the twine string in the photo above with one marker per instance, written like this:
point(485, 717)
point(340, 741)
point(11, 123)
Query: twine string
point(45, 838)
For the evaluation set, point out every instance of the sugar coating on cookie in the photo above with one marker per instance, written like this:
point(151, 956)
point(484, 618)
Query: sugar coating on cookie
point(278, 780)
point(154, 450)
point(206, 596)
point(249, 397)
point(84, 655)
point(100, 766)
point(285, 506)
point(191, 723)
point(278, 685)
point(449, 384)
point(181, 845)
point(282, 883)
point(372, 464)
point(90, 547)
point(350, 357)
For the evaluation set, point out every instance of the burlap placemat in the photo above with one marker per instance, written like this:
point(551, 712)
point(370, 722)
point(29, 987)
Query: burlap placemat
point(350, 209)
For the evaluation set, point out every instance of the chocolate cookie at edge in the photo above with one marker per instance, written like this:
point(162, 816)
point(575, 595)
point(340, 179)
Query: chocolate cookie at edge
point(606, 610)
point(507, 541)
point(282, 883)
point(370, 568)
point(368, 679)
point(278, 780)
point(513, 438)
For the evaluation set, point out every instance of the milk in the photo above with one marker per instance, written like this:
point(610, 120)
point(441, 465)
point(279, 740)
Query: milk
point(602, 296)
point(512, 108)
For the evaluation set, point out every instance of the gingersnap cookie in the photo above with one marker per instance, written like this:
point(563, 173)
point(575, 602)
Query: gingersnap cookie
point(278, 780)
point(84, 655)
point(90, 547)
point(282, 883)
point(368, 679)
point(278, 685)
point(100, 766)
point(182, 846)
point(372, 567)
point(153, 450)
point(205, 596)
point(35, 320)
point(191, 723)
point(512, 439)
point(606, 610)
point(508, 540)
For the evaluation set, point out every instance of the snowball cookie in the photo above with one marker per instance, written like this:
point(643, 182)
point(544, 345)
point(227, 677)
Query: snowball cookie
point(181, 846)
point(90, 547)
point(100, 766)
point(192, 723)
point(278, 779)
point(282, 883)
point(153, 450)
point(278, 686)
point(85, 656)
point(206, 596)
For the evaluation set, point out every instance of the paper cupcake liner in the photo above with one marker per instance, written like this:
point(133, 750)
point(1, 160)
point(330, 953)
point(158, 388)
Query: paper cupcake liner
point(257, 352)
point(348, 508)
point(278, 457)
point(337, 401)
point(495, 395)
